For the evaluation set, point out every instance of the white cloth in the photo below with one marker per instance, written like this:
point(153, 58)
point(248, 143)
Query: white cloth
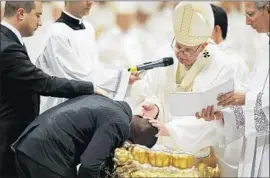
point(188, 133)
point(255, 153)
point(241, 71)
point(73, 55)
point(119, 49)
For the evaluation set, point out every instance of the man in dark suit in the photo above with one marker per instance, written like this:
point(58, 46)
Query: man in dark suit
point(21, 83)
point(84, 130)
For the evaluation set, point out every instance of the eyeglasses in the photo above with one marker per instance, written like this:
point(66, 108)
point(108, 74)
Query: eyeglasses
point(251, 14)
point(187, 52)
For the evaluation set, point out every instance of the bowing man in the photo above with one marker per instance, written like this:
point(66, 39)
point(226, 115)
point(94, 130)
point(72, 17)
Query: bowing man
point(84, 130)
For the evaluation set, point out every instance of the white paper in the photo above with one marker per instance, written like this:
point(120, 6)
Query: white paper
point(188, 103)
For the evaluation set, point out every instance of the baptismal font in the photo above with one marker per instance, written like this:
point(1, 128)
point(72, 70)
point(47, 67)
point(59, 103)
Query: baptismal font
point(132, 161)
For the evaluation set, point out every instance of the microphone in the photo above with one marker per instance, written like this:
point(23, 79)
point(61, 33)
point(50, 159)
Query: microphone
point(164, 62)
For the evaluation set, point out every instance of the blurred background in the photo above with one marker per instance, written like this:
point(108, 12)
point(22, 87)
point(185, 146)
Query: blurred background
point(129, 33)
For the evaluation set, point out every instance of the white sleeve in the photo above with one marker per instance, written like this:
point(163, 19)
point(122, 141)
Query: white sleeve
point(192, 134)
point(234, 124)
point(241, 75)
point(59, 56)
point(151, 92)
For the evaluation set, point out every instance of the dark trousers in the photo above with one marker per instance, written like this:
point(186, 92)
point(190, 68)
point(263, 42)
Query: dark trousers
point(9, 132)
point(28, 168)
point(7, 164)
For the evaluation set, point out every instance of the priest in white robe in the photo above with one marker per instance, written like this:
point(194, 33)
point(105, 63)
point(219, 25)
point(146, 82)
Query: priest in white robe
point(70, 52)
point(119, 46)
point(199, 65)
point(251, 110)
point(219, 36)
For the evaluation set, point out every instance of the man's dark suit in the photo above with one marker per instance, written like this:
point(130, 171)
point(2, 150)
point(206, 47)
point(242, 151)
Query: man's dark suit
point(21, 84)
point(83, 130)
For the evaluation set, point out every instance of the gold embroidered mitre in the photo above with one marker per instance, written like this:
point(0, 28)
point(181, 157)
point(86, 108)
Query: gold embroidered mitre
point(193, 22)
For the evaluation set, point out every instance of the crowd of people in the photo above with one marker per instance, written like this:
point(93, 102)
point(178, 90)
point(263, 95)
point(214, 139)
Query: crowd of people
point(67, 98)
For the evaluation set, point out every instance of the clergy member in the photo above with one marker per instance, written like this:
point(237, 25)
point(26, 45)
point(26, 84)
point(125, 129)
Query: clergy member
point(199, 65)
point(219, 36)
point(120, 46)
point(70, 51)
point(82, 130)
point(252, 119)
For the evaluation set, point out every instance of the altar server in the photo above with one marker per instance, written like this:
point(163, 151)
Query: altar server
point(71, 52)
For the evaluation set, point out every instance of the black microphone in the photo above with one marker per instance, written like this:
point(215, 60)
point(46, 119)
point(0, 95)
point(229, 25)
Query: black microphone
point(164, 62)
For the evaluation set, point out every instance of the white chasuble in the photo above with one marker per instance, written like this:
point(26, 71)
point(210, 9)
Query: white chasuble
point(188, 133)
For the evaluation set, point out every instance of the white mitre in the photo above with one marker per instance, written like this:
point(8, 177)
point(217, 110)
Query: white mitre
point(193, 22)
point(148, 7)
point(125, 7)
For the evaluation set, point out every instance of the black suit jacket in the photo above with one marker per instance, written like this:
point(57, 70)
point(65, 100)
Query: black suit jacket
point(83, 130)
point(21, 84)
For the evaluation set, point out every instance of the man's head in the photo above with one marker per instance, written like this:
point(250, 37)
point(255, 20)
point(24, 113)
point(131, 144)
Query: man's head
point(193, 24)
point(144, 11)
point(221, 24)
point(25, 16)
point(257, 15)
point(57, 8)
point(78, 8)
point(125, 14)
point(142, 132)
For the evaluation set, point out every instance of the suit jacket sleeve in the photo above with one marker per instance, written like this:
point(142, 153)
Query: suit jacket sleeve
point(18, 71)
point(113, 134)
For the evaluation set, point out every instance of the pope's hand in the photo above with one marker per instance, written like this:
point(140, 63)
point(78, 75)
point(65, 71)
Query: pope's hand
point(231, 99)
point(149, 110)
point(133, 78)
point(209, 114)
point(162, 129)
point(99, 91)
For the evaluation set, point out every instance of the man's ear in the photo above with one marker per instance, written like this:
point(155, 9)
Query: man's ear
point(216, 28)
point(20, 14)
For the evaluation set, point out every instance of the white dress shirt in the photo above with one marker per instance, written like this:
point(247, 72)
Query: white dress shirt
point(14, 30)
